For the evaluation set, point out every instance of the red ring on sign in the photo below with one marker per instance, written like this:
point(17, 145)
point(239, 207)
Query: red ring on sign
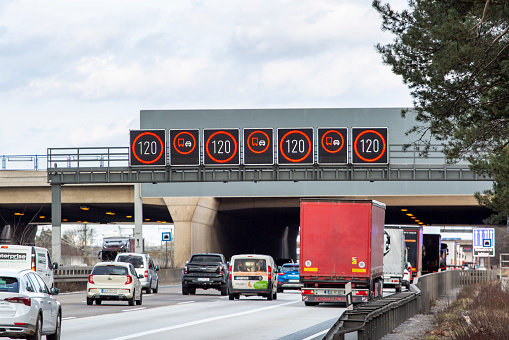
point(134, 152)
point(283, 153)
point(342, 141)
point(369, 159)
point(249, 145)
point(234, 151)
point(181, 152)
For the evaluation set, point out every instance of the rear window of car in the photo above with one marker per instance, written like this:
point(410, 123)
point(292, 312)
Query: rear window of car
point(9, 284)
point(206, 258)
point(110, 270)
point(290, 268)
point(136, 261)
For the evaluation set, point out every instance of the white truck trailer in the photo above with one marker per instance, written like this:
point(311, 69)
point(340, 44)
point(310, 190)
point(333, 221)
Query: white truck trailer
point(395, 259)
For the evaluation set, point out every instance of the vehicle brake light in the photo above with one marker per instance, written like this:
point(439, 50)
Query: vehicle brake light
point(129, 279)
point(185, 269)
point(91, 279)
point(280, 273)
point(146, 273)
point(270, 273)
point(24, 300)
point(5, 247)
point(362, 292)
point(33, 259)
point(230, 273)
point(307, 292)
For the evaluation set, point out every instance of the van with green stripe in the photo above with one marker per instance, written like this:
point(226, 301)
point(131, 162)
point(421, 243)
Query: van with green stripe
point(252, 275)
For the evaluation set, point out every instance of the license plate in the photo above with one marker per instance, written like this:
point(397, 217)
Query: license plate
point(114, 291)
point(203, 279)
point(241, 277)
point(296, 281)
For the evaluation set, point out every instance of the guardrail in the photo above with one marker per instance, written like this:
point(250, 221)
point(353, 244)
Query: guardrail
point(72, 274)
point(377, 318)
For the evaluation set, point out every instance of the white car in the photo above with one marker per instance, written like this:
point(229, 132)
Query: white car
point(27, 306)
point(407, 276)
point(144, 265)
point(114, 281)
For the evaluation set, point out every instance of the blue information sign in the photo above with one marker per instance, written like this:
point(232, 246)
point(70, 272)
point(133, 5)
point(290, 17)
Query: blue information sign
point(166, 236)
point(483, 242)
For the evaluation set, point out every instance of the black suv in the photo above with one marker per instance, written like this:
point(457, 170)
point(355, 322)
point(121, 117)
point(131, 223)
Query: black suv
point(205, 271)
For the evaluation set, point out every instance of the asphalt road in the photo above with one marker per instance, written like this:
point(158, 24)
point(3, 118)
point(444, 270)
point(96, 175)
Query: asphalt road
point(206, 315)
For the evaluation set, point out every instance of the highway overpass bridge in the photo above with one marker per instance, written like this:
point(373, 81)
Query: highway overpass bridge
point(245, 203)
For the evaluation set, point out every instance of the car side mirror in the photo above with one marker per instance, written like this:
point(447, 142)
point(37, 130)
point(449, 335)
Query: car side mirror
point(54, 291)
point(55, 265)
point(141, 276)
point(157, 268)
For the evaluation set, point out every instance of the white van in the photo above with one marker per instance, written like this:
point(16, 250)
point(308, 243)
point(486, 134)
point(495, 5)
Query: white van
point(252, 274)
point(28, 257)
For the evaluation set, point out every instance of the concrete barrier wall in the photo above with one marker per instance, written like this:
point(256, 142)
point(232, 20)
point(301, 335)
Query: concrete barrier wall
point(169, 277)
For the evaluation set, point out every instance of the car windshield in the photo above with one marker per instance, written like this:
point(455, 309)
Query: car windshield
point(109, 270)
point(250, 265)
point(137, 261)
point(9, 284)
point(293, 268)
point(205, 258)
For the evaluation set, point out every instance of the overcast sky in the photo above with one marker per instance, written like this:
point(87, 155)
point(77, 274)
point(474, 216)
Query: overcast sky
point(77, 73)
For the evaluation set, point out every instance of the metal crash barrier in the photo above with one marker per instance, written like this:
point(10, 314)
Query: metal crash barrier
point(375, 319)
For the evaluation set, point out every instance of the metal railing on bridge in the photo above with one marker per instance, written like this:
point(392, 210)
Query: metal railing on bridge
point(111, 165)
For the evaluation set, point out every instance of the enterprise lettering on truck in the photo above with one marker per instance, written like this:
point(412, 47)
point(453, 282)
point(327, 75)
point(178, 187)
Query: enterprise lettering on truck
point(13, 256)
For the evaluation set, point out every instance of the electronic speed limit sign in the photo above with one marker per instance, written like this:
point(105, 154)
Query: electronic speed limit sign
point(221, 146)
point(370, 145)
point(295, 146)
point(147, 147)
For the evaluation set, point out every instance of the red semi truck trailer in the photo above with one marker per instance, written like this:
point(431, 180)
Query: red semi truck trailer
point(341, 241)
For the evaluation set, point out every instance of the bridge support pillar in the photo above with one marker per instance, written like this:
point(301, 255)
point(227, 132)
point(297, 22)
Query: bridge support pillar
point(56, 222)
point(194, 221)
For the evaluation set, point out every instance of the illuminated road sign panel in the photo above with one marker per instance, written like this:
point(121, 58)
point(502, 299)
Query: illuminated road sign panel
point(258, 147)
point(332, 145)
point(295, 146)
point(370, 145)
point(483, 242)
point(147, 147)
point(221, 146)
point(185, 147)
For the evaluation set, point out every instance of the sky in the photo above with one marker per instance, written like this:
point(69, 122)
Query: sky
point(77, 73)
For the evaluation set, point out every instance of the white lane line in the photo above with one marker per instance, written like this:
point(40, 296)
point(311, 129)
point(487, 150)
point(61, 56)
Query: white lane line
point(315, 335)
point(136, 335)
point(69, 318)
point(183, 303)
point(132, 310)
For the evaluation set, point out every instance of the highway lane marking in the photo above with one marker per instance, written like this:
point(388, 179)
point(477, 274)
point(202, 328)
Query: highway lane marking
point(132, 310)
point(315, 335)
point(183, 303)
point(136, 335)
point(69, 318)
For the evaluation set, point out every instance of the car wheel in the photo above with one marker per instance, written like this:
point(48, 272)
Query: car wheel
point(224, 289)
point(131, 300)
point(138, 302)
point(185, 290)
point(192, 291)
point(149, 290)
point(270, 296)
point(275, 295)
point(37, 334)
point(231, 296)
point(98, 301)
point(58, 328)
point(237, 296)
point(90, 301)
point(157, 287)
point(279, 289)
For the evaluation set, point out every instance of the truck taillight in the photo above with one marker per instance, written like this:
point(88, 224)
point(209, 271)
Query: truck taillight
point(230, 274)
point(362, 293)
point(91, 279)
point(24, 300)
point(307, 292)
point(270, 273)
point(185, 269)
point(129, 279)
point(221, 271)
point(146, 273)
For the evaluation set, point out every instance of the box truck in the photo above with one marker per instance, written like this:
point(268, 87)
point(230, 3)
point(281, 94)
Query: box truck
point(342, 241)
point(431, 253)
point(395, 259)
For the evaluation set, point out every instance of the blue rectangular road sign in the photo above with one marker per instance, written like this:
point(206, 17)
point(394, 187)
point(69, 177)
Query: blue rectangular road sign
point(483, 242)
point(166, 236)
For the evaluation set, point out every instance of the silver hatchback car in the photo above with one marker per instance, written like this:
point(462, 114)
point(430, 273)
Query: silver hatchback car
point(27, 306)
